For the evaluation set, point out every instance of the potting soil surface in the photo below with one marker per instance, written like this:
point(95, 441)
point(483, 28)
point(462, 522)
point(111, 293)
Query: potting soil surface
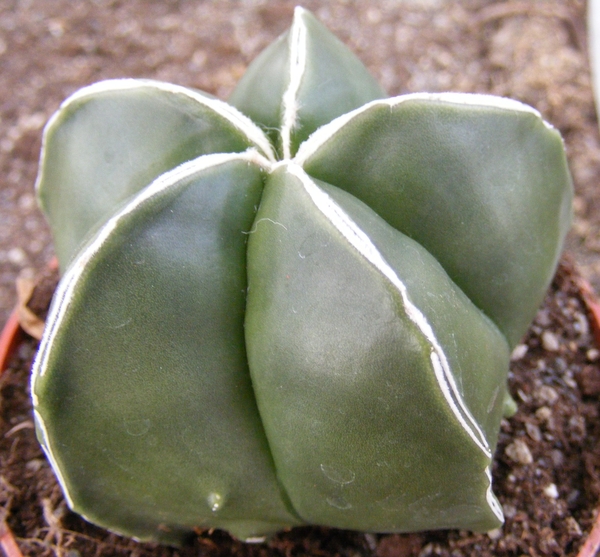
point(535, 52)
point(547, 471)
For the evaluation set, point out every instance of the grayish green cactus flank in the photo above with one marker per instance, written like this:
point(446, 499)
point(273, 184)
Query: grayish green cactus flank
point(293, 308)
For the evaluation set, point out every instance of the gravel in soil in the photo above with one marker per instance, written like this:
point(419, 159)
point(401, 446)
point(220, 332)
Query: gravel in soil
point(546, 472)
point(535, 52)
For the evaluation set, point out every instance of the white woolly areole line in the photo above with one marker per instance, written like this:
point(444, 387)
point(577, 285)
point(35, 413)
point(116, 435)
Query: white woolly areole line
point(297, 68)
point(362, 243)
point(323, 134)
point(42, 161)
point(226, 111)
point(45, 443)
point(64, 293)
point(491, 498)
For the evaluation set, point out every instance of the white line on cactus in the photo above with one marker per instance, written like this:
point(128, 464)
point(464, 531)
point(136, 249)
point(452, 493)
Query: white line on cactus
point(297, 67)
point(362, 243)
point(323, 134)
point(226, 111)
point(45, 443)
point(64, 293)
point(491, 498)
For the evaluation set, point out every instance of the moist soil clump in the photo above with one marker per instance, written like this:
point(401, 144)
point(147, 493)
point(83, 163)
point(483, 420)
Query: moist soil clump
point(546, 471)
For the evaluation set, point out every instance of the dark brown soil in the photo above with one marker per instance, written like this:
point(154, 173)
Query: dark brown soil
point(546, 475)
point(532, 51)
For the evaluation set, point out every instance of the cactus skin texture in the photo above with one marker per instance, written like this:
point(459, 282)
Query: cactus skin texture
point(293, 308)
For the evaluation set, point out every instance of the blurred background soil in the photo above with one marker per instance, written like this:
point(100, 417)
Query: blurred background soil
point(532, 51)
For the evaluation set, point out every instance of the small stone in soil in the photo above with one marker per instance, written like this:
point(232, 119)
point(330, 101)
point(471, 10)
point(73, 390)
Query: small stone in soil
point(519, 452)
point(551, 491)
point(519, 352)
point(543, 413)
point(550, 341)
point(533, 431)
point(573, 526)
point(495, 534)
point(546, 395)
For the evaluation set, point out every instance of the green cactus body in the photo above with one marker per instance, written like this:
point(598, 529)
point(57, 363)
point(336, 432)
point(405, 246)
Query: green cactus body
point(296, 308)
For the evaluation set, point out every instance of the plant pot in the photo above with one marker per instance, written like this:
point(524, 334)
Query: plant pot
point(58, 530)
point(10, 338)
point(592, 544)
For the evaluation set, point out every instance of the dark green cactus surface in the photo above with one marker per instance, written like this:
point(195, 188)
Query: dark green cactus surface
point(293, 308)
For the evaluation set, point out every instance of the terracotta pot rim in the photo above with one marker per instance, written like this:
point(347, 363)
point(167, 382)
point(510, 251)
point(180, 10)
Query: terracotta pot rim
point(10, 338)
point(592, 543)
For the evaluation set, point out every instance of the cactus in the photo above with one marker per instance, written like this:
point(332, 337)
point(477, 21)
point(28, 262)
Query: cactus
point(293, 308)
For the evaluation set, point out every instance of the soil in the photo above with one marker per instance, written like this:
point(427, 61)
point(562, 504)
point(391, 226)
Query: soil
point(532, 51)
point(546, 473)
